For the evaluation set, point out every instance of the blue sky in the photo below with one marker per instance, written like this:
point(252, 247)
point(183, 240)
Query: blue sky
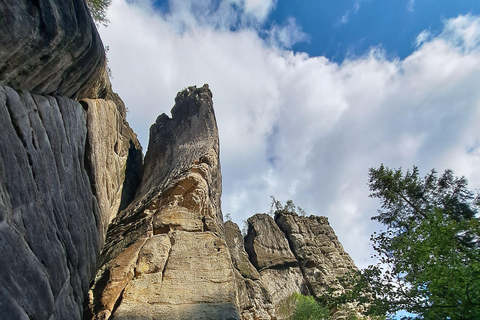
point(348, 28)
point(308, 95)
point(340, 29)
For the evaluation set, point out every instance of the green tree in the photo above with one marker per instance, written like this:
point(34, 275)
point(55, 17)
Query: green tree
point(429, 254)
point(98, 10)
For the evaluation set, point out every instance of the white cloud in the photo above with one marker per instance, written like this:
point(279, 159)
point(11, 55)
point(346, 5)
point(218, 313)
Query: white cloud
point(287, 35)
point(306, 128)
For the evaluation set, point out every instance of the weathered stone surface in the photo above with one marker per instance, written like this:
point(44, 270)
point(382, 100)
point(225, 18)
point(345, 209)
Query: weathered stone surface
point(51, 46)
point(179, 198)
point(281, 283)
point(234, 239)
point(114, 158)
point(254, 300)
point(51, 225)
point(49, 236)
point(321, 256)
point(266, 244)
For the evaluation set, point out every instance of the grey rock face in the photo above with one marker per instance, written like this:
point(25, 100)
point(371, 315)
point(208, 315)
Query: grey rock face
point(178, 200)
point(51, 46)
point(255, 301)
point(266, 244)
point(50, 222)
point(321, 256)
point(270, 253)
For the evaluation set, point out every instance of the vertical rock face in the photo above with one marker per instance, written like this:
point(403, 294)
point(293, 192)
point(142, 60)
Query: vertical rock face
point(255, 302)
point(50, 223)
point(320, 255)
point(52, 46)
point(113, 158)
point(292, 254)
point(165, 255)
point(270, 253)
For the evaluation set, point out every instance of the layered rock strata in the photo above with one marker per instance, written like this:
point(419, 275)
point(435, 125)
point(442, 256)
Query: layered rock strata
point(166, 255)
point(66, 167)
point(52, 47)
point(51, 224)
point(269, 251)
point(255, 301)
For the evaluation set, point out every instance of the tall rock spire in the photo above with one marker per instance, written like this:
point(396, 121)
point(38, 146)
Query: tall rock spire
point(165, 255)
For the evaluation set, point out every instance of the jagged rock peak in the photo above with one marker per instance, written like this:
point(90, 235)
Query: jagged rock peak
point(165, 256)
point(186, 146)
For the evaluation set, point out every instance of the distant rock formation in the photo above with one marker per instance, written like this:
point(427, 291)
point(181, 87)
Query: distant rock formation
point(319, 253)
point(291, 254)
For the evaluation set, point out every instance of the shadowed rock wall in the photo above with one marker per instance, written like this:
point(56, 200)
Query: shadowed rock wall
point(52, 47)
point(54, 208)
point(165, 255)
point(63, 163)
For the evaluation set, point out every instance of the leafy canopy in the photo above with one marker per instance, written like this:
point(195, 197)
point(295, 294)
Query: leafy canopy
point(98, 10)
point(429, 257)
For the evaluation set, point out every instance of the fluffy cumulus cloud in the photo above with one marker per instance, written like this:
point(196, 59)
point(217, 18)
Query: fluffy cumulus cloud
point(300, 127)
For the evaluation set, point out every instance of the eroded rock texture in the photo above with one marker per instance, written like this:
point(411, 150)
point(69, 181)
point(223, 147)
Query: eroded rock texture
point(166, 255)
point(52, 46)
point(255, 301)
point(270, 253)
point(50, 223)
point(320, 255)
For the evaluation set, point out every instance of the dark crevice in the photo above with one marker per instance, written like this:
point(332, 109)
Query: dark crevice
point(172, 243)
point(133, 175)
point(87, 163)
point(84, 105)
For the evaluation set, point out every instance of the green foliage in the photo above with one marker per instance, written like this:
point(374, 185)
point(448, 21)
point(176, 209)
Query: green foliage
point(300, 307)
point(289, 207)
point(98, 10)
point(429, 257)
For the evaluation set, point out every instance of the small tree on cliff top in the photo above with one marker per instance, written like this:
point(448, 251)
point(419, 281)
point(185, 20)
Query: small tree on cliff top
point(429, 254)
point(98, 10)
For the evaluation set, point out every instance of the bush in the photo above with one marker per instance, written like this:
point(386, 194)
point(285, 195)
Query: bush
point(306, 308)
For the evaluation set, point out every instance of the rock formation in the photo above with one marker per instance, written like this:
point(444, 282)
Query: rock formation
point(53, 216)
point(61, 178)
point(166, 255)
point(90, 231)
point(319, 253)
point(52, 47)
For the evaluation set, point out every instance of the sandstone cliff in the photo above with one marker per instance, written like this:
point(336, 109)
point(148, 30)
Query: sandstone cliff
point(62, 179)
point(166, 255)
point(289, 254)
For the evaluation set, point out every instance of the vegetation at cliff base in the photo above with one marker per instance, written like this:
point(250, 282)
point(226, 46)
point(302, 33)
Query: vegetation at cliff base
point(98, 10)
point(301, 307)
point(429, 254)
